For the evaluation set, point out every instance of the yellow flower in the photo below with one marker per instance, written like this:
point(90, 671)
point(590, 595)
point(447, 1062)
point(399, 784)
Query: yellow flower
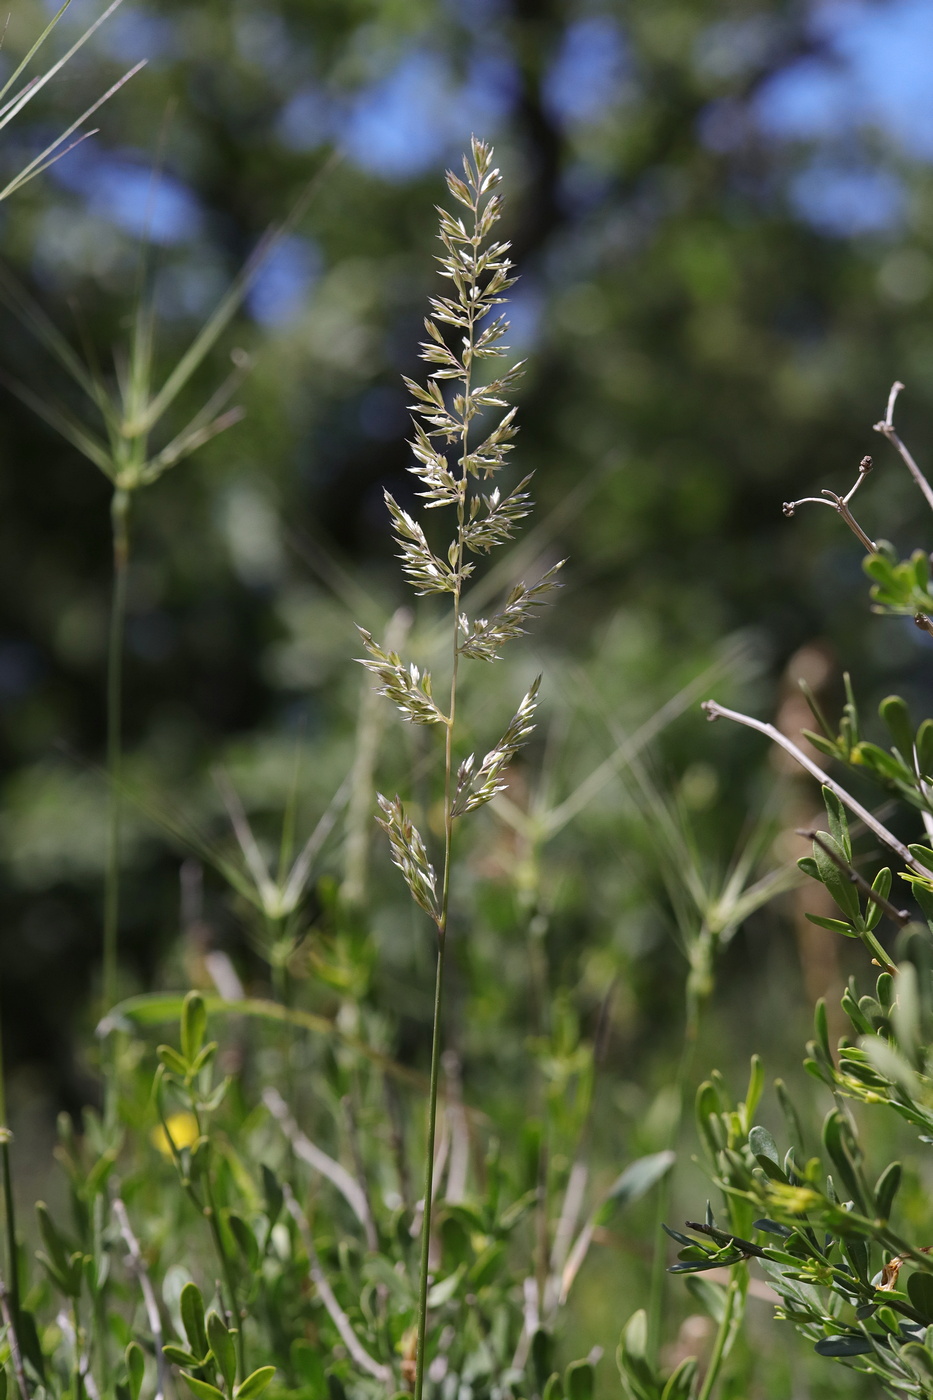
point(183, 1128)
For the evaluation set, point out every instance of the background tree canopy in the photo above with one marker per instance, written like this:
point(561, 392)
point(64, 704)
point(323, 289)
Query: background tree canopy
point(722, 217)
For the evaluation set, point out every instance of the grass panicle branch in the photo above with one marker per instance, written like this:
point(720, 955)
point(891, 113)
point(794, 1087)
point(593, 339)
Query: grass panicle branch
point(463, 431)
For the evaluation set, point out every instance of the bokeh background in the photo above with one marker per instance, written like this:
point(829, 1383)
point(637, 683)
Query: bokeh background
point(722, 214)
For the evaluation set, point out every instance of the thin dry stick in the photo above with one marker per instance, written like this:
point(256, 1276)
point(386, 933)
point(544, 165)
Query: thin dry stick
point(15, 1353)
point(840, 504)
point(887, 429)
point(304, 1148)
point(715, 711)
point(337, 1315)
point(138, 1266)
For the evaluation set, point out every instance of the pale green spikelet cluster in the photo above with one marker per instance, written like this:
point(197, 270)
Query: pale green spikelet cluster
point(475, 789)
point(409, 854)
point(448, 467)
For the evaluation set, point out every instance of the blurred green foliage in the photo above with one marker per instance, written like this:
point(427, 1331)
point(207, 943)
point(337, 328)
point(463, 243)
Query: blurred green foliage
point(702, 346)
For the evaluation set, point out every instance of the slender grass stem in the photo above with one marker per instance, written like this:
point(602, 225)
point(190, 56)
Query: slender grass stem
point(429, 1170)
point(9, 1210)
point(658, 1267)
point(722, 1337)
point(78, 1373)
point(458, 559)
point(121, 555)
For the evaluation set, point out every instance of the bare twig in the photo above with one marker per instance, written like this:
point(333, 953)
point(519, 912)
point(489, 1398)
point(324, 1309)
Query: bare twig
point(337, 1315)
point(15, 1354)
point(138, 1266)
point(887, 429)
point(840, 504)
point(304, 1148)
point(900, 916)
point(716, 711)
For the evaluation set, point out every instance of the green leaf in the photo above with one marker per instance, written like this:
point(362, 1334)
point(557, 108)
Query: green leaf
point(920, 1293)
point(639, 1177)
point(829, 747)
point(632, 1355)
point(896, 716)
point(179, 1357)
point(881, 885)
point(756, 1084)
point(542, 1356)
point(821, 1026)
point(762, 1144)
point(924, 898)
point(245, 1239)
point(809, 867)
point(681, 1383)
point(192, 1316)
point(580, 1380)
point(135, 1369)
point(443, 1291)
point(906, 1012)
point(886, 765)
point(923, 854)
point(844, 1344)
point(55, 1245)
point(878, 567)
point(223, 1347)
point(202, 1389)
point(886, 990)
point(255, 1383)
point(172, 1061)
point(925, 748)
point(193, 1022)
point(919, 1359)
point(886, 1188)
point(834, 925)
point(309, 1365)
point(29, 1341)
point(553, 1389)
point(335, 1386)
point(834, 878)
point(836, 1140)
point(892, 1066)
point(710, 1296)
point(272, 1192)
point(838, 822)
point(709, 1119)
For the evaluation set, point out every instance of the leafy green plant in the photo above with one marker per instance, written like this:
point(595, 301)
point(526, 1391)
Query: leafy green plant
point(850, 1264)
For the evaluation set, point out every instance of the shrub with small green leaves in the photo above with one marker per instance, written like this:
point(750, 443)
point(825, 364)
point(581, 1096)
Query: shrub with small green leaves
point(852, 1268)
